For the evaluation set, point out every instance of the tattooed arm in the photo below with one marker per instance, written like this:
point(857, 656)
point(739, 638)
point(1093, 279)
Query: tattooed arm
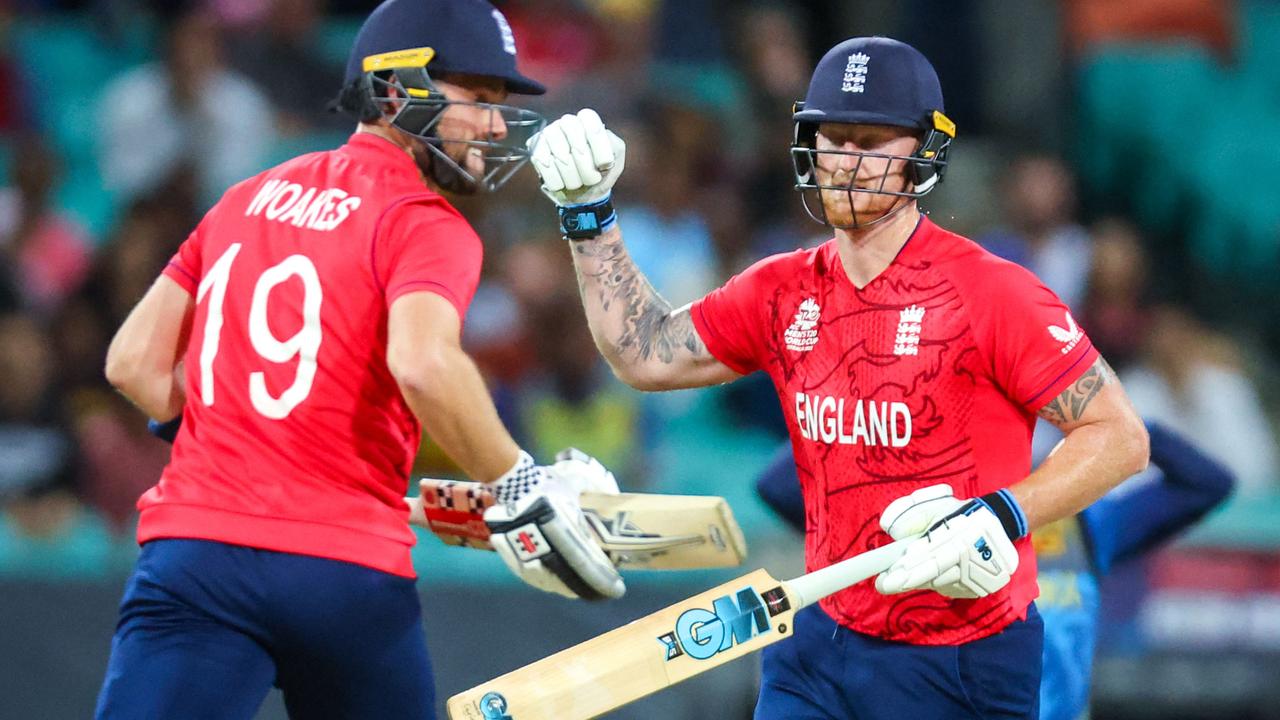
point(1105, 443)
point(649, 345)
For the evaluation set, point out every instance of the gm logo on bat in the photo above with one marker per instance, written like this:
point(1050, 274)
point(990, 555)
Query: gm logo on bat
point(494, 707)
point(702, 633)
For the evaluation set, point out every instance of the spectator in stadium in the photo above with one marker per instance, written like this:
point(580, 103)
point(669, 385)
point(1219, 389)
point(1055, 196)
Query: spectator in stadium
point(668, 235)
point(47, 252)
point(13, 92)
point(1116, 307)
point(770, 48)
point(1193, 380)
point(572, 399)
point(119, 460)
point(187, 113)
point(279, 54)
point(1043, 234)
point(1180, 487)
point(36, 451)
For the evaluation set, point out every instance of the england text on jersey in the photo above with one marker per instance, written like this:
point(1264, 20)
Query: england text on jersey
point(823, 418)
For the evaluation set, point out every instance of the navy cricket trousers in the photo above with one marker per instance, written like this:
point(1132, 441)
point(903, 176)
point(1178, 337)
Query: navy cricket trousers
point(207, 628)
point(828, 672)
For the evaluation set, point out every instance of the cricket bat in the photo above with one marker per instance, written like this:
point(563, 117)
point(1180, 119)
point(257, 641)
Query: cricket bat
point(637, 530)
point(662, 649)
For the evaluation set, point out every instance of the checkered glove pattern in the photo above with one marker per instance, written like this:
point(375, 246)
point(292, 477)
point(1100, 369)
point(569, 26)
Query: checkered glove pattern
point(525, 477)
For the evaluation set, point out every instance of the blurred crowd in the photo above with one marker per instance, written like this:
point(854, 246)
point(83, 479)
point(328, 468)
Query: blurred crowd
point(98, 189)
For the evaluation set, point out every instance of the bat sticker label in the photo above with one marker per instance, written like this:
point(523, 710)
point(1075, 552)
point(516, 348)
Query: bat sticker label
point(494, 707)
point(702, 633)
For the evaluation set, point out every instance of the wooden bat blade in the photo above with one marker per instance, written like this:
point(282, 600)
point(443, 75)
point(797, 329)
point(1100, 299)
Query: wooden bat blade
point(664, 648)
point(666, 532)
point(638, 530)
point(642, 657)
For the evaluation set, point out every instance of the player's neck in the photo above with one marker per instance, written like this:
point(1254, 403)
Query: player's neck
point(397, 138)
point(866, 252)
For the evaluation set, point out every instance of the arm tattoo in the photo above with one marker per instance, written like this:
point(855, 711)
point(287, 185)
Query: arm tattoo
point(1069, 406)
point(609, 279)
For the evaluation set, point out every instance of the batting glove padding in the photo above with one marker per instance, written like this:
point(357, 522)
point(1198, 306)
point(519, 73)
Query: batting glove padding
point(966, 555)
point(960, 555)
point(539, 531)
point(577, 159)
point(914, 514)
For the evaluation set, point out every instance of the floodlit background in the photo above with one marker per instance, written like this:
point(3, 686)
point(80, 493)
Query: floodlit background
point(1125, 151)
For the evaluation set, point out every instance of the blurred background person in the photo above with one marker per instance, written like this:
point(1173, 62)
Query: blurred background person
point(1192, 379)
point(184, 119)
point(46, 253)
point(279, 53)
point(1042, 233)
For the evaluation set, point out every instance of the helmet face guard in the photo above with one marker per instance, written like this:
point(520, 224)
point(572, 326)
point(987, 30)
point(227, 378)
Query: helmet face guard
point(923, 169)
point(398, 84)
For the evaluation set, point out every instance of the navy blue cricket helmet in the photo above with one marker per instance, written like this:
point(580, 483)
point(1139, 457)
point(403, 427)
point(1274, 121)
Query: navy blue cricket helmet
point(873, 81)
point(404, 44)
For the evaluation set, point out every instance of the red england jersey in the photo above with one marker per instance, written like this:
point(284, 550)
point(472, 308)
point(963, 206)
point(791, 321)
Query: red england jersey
point(295, 436)
point(931, 373)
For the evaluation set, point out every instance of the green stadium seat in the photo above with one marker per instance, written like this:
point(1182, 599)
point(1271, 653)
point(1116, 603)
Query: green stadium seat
point(336, 36)
point(1237, 228)
point(1259, 37)
point(1136, 105)
point(82, 195)
point(71, 63)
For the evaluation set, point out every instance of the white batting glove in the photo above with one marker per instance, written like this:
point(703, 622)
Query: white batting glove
point(577, 159)
point(915, 513)
point(583, 473)
point(538, 529)
point(965, 556)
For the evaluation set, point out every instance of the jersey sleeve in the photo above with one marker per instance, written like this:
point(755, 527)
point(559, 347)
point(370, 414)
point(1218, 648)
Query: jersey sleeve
point(184, 267)
point(1033, 343)
point(728, 319)
point(423, 246)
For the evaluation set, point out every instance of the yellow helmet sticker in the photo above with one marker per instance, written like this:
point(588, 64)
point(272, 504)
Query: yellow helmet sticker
point(943, 124)
point(413, 57)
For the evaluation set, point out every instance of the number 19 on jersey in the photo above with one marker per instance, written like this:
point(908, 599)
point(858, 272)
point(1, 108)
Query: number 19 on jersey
point(303, 345)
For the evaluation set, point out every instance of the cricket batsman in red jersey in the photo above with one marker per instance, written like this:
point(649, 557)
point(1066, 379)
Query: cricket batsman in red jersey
point(910, 364)
point(305, 333)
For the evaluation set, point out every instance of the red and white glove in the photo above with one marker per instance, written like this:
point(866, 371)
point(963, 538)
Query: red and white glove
point(540, 532)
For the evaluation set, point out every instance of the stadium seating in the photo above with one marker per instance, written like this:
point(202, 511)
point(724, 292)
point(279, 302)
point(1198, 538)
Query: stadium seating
point(1177, 137)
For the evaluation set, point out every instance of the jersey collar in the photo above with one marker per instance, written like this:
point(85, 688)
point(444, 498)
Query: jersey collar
point(915, 246)
point(382, 148)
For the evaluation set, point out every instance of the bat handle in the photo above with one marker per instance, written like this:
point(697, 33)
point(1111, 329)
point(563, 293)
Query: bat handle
point(809, 589)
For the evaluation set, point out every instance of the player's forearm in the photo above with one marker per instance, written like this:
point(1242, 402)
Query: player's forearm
point(1105, 443)
point(144, 374)
point(160, 396)
point(1092, 460)
point(449, 397)
point(635, 329)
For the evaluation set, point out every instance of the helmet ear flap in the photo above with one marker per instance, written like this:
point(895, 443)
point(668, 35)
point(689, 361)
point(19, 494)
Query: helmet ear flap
point(929, 162)
point(803, 142)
